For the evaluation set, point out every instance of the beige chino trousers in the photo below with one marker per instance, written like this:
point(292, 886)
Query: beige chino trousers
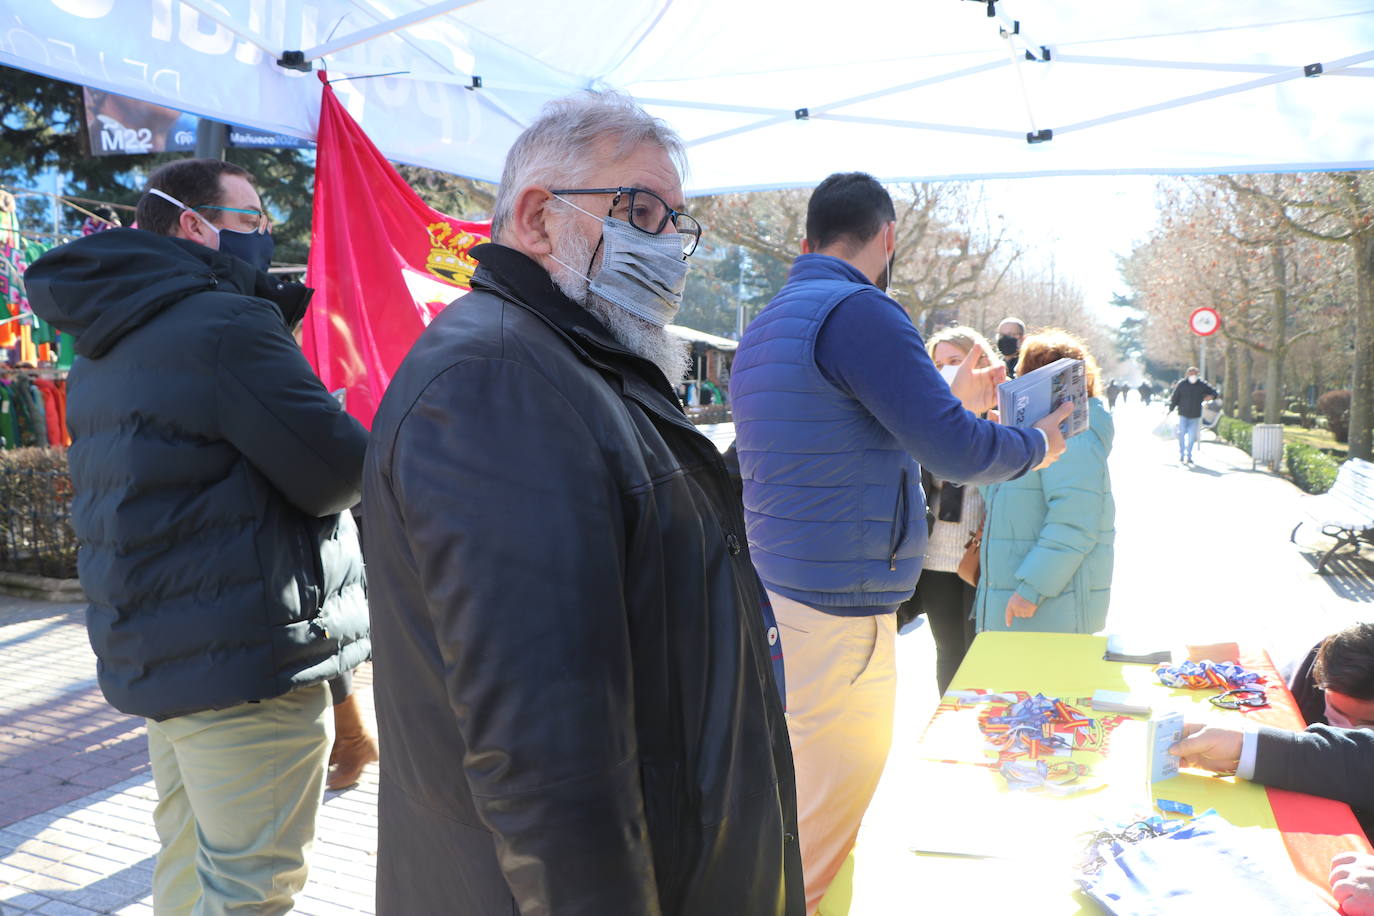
point(238, 790)
point(841, 694)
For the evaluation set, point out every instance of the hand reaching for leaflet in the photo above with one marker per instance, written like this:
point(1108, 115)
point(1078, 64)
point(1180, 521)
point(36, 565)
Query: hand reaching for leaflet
point(1055, 438)
point(1209, 747)
point(975, 384)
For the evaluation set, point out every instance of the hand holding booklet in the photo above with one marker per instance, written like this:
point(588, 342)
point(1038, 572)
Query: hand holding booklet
point(1027, 399)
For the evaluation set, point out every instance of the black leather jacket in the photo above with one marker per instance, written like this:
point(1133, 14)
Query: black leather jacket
point(571, 670)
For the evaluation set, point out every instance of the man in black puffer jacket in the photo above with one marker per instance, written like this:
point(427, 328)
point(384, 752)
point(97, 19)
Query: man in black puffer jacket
point(212, 471)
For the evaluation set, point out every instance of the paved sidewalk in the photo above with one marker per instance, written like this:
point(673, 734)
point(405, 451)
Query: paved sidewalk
point(76, 792)
point(1202, 554)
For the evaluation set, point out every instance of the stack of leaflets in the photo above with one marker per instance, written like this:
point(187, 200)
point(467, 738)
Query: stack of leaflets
point(1120, 701)
point(1027, 399)
point(1142, 652)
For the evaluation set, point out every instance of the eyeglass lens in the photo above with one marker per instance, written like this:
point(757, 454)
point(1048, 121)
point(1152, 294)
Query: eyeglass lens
point(251, 220)
point(648, 212)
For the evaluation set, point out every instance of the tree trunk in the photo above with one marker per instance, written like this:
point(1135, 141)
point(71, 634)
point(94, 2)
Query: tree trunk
point(1245, 386)
point(1273, 375)
point(1273, 387)
point(1229, 382)
point(1362, 381)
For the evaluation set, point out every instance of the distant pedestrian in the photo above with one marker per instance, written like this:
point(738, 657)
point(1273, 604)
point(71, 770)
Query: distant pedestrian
point(1146, 391)
point(1114, 389)
point(1010, 333)
point(1187, 399)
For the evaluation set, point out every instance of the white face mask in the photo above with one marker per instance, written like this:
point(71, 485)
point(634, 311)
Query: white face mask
point(1192, 378)
point(948, 373)
point(1336, 719)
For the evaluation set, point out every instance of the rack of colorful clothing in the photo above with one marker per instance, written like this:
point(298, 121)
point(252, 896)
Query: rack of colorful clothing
point(33, 408)
point(24, 337)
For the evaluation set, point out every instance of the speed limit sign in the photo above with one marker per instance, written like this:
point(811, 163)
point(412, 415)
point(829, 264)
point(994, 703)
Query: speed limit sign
point(1204, 322)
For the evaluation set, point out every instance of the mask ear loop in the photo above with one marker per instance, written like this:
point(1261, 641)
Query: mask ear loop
point(602, 237)
point(156, 192)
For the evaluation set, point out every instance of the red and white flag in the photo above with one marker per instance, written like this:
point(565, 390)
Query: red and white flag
point(383, 263)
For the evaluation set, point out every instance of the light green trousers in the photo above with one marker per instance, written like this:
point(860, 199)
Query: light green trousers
point(238, 790)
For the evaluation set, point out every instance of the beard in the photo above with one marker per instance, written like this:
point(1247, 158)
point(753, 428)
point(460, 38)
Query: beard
point(670, 354)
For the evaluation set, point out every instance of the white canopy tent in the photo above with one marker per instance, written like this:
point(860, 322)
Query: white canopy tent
point(766, 93)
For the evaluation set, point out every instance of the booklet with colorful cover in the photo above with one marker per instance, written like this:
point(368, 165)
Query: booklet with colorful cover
point(1027, 399)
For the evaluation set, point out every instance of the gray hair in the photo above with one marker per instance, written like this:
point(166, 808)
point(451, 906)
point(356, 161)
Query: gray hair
point(558, 149)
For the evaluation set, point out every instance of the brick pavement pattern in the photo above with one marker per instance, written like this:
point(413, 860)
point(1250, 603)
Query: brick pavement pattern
point(76, 790)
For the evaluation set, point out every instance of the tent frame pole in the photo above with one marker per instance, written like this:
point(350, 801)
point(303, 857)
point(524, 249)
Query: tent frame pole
point(385, 28)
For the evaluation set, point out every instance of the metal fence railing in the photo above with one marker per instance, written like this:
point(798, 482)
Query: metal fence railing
point(35, 522)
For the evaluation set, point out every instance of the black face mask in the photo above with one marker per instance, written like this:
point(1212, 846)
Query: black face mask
point(1008, 344)
point(256, 248)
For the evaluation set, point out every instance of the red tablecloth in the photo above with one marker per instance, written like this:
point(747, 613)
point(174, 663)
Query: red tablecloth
point(1314, 829)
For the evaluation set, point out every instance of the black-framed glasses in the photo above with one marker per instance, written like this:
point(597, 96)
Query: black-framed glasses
point(647, 212)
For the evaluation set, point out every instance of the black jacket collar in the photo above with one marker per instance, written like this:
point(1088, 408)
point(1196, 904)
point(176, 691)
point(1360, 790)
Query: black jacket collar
point(513, 275)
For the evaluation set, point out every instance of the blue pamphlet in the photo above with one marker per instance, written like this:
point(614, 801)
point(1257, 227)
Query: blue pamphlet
point(1027, 399)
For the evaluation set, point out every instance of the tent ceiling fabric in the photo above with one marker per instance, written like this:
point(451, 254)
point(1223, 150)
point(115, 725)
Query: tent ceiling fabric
point(905, 90)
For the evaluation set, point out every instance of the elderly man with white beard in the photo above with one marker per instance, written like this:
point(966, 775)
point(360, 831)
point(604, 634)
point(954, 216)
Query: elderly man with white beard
point(574, 662)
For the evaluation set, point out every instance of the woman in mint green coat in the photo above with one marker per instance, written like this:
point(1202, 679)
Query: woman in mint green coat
point(1046, 557)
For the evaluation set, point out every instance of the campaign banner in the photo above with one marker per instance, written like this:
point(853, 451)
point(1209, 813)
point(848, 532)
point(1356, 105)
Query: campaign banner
point(247, 138)
point(120, 126)
point(383, 263)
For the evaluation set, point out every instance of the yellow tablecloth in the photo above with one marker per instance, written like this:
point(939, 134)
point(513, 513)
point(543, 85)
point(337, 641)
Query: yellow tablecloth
point(952, 806)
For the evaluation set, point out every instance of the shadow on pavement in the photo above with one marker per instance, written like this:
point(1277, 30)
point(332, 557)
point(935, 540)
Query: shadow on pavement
point(1348, 575)
point(23, 610)
point(123, 885)
point(59, 750)
point(45, 629)
point(106, 895)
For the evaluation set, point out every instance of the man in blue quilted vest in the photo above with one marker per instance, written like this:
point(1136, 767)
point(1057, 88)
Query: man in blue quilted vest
point(837, 407)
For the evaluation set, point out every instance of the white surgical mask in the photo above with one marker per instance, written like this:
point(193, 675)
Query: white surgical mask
point(641, 273)
point(948, 372)
point(1336, 719)
point(1192, 378)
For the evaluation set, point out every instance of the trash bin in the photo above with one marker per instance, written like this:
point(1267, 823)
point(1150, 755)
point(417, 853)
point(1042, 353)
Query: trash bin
point(1266, 446)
